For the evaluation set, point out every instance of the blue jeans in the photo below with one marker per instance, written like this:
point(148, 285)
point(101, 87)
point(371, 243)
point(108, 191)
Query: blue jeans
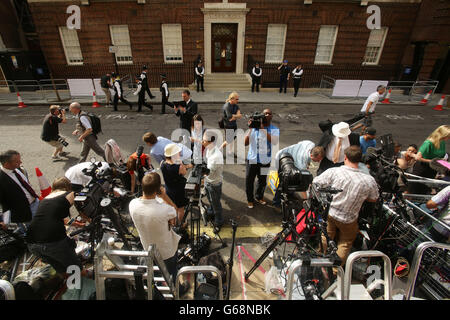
point(23, 227)
point(214, 193)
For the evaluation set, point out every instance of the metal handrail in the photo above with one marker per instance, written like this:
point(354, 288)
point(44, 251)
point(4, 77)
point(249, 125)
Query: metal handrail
point(387, 282)
point(315, 263)
point(420, 250)
point(444, 225)
point(198, 269)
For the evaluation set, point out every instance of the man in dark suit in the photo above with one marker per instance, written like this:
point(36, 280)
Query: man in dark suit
point(17, 197)
point(186, 110)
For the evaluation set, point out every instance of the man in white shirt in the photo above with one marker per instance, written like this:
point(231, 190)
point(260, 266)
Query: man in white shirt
point(154, 215)
point(213, 181)
point(78, 178)
point(200, 75)
point(334, 151)
point(357, 187)
point(369, 107)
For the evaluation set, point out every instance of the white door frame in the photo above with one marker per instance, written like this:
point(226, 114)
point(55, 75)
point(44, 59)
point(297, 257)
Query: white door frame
point(225, 13)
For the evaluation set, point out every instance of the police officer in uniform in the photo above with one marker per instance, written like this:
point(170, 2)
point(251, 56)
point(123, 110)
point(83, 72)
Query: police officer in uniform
point(164, 94)
point(117, 84)
point(200, 73)
point(285, 72)
point(144, 79)
point(256, 77)
point(140, 92)
point(297, 76)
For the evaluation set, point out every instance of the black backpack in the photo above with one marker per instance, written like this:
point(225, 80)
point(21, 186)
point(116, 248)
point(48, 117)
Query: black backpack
point(95, 122)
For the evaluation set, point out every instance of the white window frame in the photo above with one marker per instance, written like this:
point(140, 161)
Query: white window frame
point(68, 52)
point(166, 29)
point(380, 48)
point(124, 54)
point(332, 45)
point(283, 43)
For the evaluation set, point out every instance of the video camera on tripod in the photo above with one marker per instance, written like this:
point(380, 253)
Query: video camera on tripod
point(194, 180)
point(291, 178)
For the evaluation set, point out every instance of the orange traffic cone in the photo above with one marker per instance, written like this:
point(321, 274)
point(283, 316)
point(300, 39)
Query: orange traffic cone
point(43, 184)
point(440, 104)
point(386, 100)
point(94, 101)
point(21, 104)
point(426, 98)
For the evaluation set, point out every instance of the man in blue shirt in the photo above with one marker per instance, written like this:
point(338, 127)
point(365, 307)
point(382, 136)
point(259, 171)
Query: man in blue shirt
point(368, 139)
point(259, 157)
point(157, 145)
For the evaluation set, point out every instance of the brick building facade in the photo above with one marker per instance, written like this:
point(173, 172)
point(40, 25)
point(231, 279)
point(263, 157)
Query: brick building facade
point(231, 35)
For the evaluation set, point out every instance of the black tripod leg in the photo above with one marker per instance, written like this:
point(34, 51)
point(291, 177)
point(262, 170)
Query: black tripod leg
point(277, 241)
point(230, 260)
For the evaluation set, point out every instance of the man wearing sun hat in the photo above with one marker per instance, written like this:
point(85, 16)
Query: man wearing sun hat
point(285, 72)
point(334, 151)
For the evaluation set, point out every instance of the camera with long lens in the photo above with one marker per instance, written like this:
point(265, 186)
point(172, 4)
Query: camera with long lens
point(88, 199)
point(194, 179)
point(292, 179)
point(256, 120)
point(63, 141)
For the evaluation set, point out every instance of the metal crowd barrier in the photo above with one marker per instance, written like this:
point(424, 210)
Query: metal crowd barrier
point(126, 271)
point(415, 266)
point(198, 269)
point(339, 283)
point(36, 89)
point(387, 280)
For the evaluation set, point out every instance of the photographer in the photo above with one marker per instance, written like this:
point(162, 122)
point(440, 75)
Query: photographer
point(154, 215)
point(50, 131)
point(84, 129)
point(78, 178)
point(157, 145)
point(137, 166)
point(231, 113)
point(302, 153)
point(46, 236)
point(173, 171)
point(213, 181)
point(259, 156)
point(357, 187)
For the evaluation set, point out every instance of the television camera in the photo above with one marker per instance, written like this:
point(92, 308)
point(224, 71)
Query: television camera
point(291, 178)
point(256, 120)
point(99, 198)
point(194, 180)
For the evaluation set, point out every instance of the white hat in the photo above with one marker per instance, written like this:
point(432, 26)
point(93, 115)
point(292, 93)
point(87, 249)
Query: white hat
point(341, 129)
point(171, 150)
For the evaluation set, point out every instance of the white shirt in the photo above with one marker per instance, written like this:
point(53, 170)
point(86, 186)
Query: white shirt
point(151, 219)
point(200, 73)
point(356, 188)
point(84, 119)
point(374, 97)
point(76, 176)
point(257, 74)
point(164, 85)
point(297, 72)
point(11, 174)
point(138, 89)
point(117, 85)
point(329, 152)
point(214, 161)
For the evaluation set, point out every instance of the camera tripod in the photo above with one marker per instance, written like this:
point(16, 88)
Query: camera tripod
point(198, 243)
point(290, 224)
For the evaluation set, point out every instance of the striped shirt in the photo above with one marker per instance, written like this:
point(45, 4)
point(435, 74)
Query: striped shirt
point(356, 188)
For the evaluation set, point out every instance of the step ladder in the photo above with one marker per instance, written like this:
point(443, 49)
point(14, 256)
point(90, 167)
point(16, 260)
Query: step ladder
point(316, 263)
point(358, 291)
point(415, 265)
point(195, 270)
point(154, 264)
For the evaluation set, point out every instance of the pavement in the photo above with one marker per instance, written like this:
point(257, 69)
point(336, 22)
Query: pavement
point(265, 96)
